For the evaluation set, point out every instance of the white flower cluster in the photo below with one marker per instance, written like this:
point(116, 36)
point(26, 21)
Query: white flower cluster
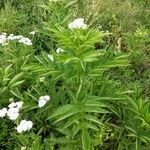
point(25, 41)
point(14, 37)
point(77, 24)
point(43, 100)
point(13, 110)
point(59, 50)
point(24, 126)
point(4, 39)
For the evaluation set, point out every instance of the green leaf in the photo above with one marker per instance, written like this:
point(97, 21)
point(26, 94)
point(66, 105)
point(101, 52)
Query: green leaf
point(15, 79)
point(90, 125)
point(93, 119)
point(17, 83)
point(71, 121)
point(85, 139)
point(66, 115)
point(75, 130)
point(73, 59)
point(7, 69)
point(17, 93)
point(62, 110)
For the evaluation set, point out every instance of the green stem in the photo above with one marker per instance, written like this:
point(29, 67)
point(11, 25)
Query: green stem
point(138, 144)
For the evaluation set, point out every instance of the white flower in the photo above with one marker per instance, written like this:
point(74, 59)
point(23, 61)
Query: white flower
point(19, 104)
point(2, 39)
point(77, 24)
point(59, 50)
point(25, 41)
point(14, 37)
point(32, 33)
point(51, 57)
point(84, 26)
point(43, 100)
point(47, 97)
point(42, 79)
point(10, 37)
point(12, 105)
point(24, 126)
point(29, 125)
point(15, 105)
point(3, 112)
point(23, 148)
point(13, 113)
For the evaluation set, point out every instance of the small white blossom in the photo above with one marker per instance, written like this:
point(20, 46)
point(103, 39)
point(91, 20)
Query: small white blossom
point(25, 41)
point(14, 37)
point(3, 112)
point(15, 105)
point(59, 50)
point(32, 33)
point(19, 104)
point(13, 113)
point(24, 126)
point(3, 39)
point(12, 105)
point(10, 37)
point(51, 57)
point(23, 148)
point(47, 97)
point(43, 100)
point(77, 24)
point(42, 79)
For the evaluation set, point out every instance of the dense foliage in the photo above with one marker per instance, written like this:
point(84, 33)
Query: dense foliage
point(74, 74)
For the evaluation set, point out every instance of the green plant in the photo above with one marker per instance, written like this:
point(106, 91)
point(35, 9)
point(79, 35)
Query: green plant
point(76, 88)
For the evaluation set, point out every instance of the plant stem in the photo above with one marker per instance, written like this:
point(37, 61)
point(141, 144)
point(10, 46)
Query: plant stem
point(138, 144)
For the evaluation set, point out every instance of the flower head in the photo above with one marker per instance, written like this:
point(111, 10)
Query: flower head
point(3, 112)
point(24, 126)
point(25, 41)
point(77, 24)
point(2, 38)
point(59, 50)
point(14, 37)
point(42, 79)
point(43, 100)
point(13, 111)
